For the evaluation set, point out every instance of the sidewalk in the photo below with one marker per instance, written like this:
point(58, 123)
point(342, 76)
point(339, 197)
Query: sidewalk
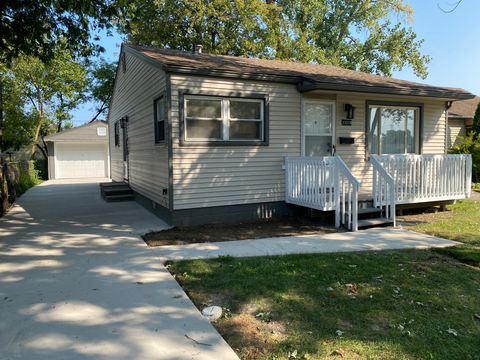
point(367, 240)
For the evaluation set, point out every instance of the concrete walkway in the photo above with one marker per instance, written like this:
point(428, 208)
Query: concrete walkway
point(76, 282)
point(373, 239)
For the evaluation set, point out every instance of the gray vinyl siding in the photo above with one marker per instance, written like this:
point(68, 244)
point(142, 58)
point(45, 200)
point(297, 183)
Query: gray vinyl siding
point(134, 93)
point(205, 176)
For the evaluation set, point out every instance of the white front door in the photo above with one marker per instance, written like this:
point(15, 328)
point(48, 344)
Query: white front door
point(318, 128)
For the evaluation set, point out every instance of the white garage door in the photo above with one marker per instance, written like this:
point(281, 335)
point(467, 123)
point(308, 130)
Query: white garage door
point(80, 160)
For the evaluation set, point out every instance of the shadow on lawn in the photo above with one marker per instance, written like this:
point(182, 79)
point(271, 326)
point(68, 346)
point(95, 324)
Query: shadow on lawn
point(386, 305)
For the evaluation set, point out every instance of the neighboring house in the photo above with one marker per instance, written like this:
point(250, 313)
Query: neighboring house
point(80, 152)
point(203, 138)
point(460, 119)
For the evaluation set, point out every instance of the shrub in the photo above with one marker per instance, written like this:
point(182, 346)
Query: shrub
point(41, 165)
point(470, 145)
point(28, 178)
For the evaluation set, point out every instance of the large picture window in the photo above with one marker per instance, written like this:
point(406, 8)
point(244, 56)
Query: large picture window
point(393, 129)
point(216, 119)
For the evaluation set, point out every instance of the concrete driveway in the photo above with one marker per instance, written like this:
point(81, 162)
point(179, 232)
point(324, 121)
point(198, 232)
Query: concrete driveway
point(76, 282)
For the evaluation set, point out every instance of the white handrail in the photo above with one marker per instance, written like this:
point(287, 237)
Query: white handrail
point(323, 183)
point(310, 182)
point(384, 195)
point(346, 197)
point(426, 178)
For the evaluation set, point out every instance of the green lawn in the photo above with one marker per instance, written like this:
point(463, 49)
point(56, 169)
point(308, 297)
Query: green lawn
point(386, 305)
point(460, 223)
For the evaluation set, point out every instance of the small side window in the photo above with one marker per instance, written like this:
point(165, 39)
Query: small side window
point(160, 116)
point(117, 133)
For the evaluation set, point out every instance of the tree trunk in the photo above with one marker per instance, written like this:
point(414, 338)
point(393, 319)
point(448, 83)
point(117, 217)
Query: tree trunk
point(36, 133)
point(1, 114)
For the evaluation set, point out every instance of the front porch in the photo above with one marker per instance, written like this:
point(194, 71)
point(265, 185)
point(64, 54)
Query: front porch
point(327, 183)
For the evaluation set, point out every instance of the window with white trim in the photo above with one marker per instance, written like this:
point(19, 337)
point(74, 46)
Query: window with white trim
point(393, 129)
point(211, 118)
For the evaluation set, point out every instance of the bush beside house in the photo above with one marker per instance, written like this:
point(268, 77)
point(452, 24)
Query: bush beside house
point(15, 179)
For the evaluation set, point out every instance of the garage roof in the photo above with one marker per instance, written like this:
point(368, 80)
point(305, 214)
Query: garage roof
point(90, 132)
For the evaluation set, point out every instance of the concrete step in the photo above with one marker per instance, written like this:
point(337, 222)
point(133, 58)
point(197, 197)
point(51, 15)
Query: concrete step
point(367, 223)
point(117, 191)
point(121, 197)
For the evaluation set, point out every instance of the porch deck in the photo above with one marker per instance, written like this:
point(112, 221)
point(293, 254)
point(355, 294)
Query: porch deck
point(326, 183)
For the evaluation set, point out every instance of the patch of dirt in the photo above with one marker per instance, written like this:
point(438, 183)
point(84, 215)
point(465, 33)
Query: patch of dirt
point(412, 217)
point(241, 231)
point(250, 337)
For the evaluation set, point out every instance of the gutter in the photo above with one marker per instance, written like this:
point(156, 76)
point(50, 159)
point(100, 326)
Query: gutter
point(448, 105)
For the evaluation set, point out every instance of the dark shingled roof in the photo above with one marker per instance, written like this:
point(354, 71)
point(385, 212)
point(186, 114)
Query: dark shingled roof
point(306, 76)
point(464, 109)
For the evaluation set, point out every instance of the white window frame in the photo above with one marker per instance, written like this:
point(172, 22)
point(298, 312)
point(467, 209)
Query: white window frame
point(224, 118)
point(417, 111)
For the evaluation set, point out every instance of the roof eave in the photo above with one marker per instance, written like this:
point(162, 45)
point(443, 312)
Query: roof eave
point(307, 86)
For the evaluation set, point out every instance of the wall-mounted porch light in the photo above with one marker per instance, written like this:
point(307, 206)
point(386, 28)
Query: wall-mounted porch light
point(350, 110)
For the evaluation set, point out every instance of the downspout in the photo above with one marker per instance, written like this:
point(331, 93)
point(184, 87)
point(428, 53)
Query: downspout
point(448, 105)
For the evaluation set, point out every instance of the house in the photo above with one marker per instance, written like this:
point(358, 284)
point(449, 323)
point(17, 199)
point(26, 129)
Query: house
point(460, 119)
point(203, 138)
point(80, 152)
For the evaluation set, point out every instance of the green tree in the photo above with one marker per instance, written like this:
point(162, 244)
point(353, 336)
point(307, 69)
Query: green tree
point(476, 123)
point(40, 97)
point(366, 35)
point(100, 86)
point(35, 27)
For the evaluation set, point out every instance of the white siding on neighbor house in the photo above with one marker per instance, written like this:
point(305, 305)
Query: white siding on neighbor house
point(456, 129)
point(228, 175)
point(134, 93)
point(206, 176)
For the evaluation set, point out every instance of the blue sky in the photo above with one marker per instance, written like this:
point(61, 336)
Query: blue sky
point(451, 40)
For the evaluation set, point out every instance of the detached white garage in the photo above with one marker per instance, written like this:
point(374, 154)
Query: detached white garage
point(80, 152)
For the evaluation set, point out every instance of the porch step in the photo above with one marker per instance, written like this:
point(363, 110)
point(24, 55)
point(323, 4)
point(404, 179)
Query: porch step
point(366, 223)
point(116, 191)
point(369, 211)
point(118, 197)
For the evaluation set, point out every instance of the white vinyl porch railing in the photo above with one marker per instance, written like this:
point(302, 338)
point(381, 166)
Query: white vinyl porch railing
point(346, 199)
point(425, 178)
point(383, 190)
point(312, 182)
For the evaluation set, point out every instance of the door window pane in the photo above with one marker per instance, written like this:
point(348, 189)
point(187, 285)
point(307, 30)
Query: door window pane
point(318, 145)
point(318, 119)
point(245, 110)
point(204, 108)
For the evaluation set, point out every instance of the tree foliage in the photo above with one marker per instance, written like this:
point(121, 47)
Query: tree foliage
point(470, 145)
point(476, 122)
point(366, 35)
point(35, 27)
point(40, 96)
point(100, 85)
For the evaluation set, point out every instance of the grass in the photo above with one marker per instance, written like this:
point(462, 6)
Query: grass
point(386, 305)
point(460, 223)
